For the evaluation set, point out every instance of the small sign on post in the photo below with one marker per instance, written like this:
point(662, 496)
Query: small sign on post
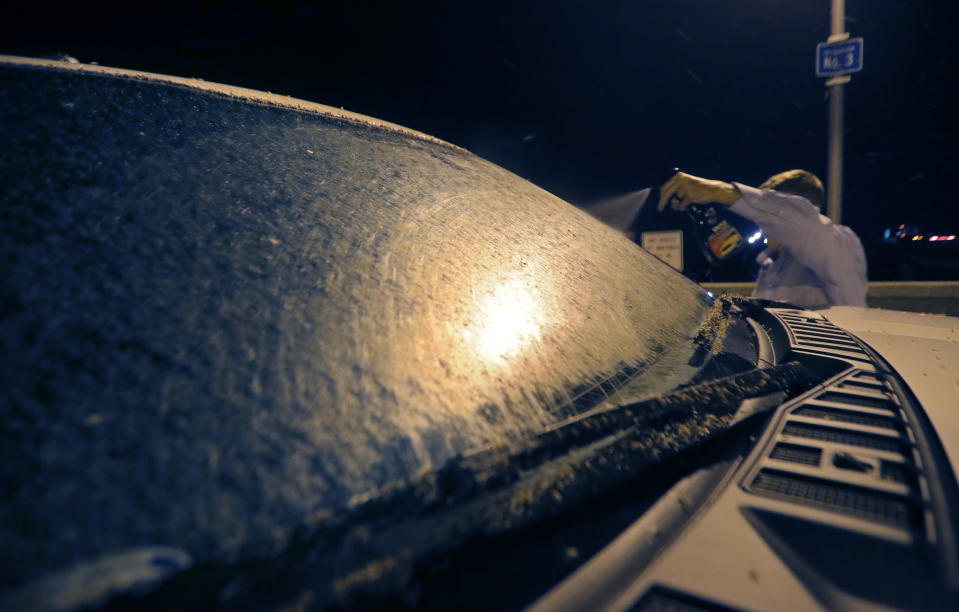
point(667, 246)
point(836, 58)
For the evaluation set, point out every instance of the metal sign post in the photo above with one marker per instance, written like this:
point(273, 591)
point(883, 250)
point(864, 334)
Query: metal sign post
point(836, 58)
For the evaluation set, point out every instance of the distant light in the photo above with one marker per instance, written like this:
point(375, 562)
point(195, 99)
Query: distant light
point(914, 238)
point(950, 237)
point(765, 240)
point(755, 237)
point(887, 233)
point(933, 238)
point(903, 226)
point(711, 294)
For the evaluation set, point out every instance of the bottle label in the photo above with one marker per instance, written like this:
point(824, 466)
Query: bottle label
point(724, 240)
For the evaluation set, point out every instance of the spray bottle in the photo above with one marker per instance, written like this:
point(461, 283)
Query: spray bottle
point(716, 237)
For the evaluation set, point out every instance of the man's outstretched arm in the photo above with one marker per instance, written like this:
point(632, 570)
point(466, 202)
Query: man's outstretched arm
point(684, 189)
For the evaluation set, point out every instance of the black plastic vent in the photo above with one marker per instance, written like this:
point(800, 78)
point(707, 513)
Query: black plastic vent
point(809, 330)
point(853, 501)
point(823, 334)
point(857, 400)
point(846, 416)
point(861, 383)
point(828, 339)
point(795, 453)
point(659, 599)
point(842, 436)
point(802, 326)
point(819, 334)
point(843, 345)
point(897, 472)
point(866, 377)
point(834, 346)
point(797, 318)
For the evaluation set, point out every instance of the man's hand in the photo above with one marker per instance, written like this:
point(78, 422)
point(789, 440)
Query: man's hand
point(685, 189)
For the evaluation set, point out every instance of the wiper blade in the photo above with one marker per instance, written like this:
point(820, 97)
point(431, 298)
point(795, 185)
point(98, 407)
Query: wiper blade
point(373, 548)
point(719, 398)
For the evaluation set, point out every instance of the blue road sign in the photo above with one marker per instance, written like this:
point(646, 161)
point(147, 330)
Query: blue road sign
point(839, 57)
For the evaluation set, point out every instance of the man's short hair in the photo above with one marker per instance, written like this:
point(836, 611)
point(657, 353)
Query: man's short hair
point(798, 182)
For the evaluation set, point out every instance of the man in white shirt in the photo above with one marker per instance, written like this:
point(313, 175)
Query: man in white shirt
point(811, 262)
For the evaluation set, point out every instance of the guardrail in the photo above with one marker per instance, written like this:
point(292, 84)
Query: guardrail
point(939, 297)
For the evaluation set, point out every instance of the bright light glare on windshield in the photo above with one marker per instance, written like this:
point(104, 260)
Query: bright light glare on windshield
point(507, 320)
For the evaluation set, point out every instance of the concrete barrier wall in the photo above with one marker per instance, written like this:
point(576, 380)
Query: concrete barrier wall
point(941, 297)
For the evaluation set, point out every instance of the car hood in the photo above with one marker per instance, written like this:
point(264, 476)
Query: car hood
point(924, 351)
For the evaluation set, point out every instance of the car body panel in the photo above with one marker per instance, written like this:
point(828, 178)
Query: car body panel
point(924, 350)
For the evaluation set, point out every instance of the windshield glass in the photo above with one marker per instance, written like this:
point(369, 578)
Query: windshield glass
point(224, 317)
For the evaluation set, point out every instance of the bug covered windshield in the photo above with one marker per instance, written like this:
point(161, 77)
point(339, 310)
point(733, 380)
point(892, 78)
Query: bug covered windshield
point(225, 317)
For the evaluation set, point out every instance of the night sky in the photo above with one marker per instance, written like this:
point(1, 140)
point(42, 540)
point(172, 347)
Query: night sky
point(587, 99)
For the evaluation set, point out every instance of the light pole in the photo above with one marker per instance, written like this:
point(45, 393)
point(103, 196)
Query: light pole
point(835, 84)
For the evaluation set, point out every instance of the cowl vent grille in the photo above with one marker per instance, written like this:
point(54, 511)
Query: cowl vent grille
point(839, 497)
point(843, 436)
point(845, 448)
point(847, 416)
point(861, 384)
point(818, 335)
point(795, 453)
point(840, 397)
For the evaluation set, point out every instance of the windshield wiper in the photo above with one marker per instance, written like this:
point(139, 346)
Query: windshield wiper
point(372, 549)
